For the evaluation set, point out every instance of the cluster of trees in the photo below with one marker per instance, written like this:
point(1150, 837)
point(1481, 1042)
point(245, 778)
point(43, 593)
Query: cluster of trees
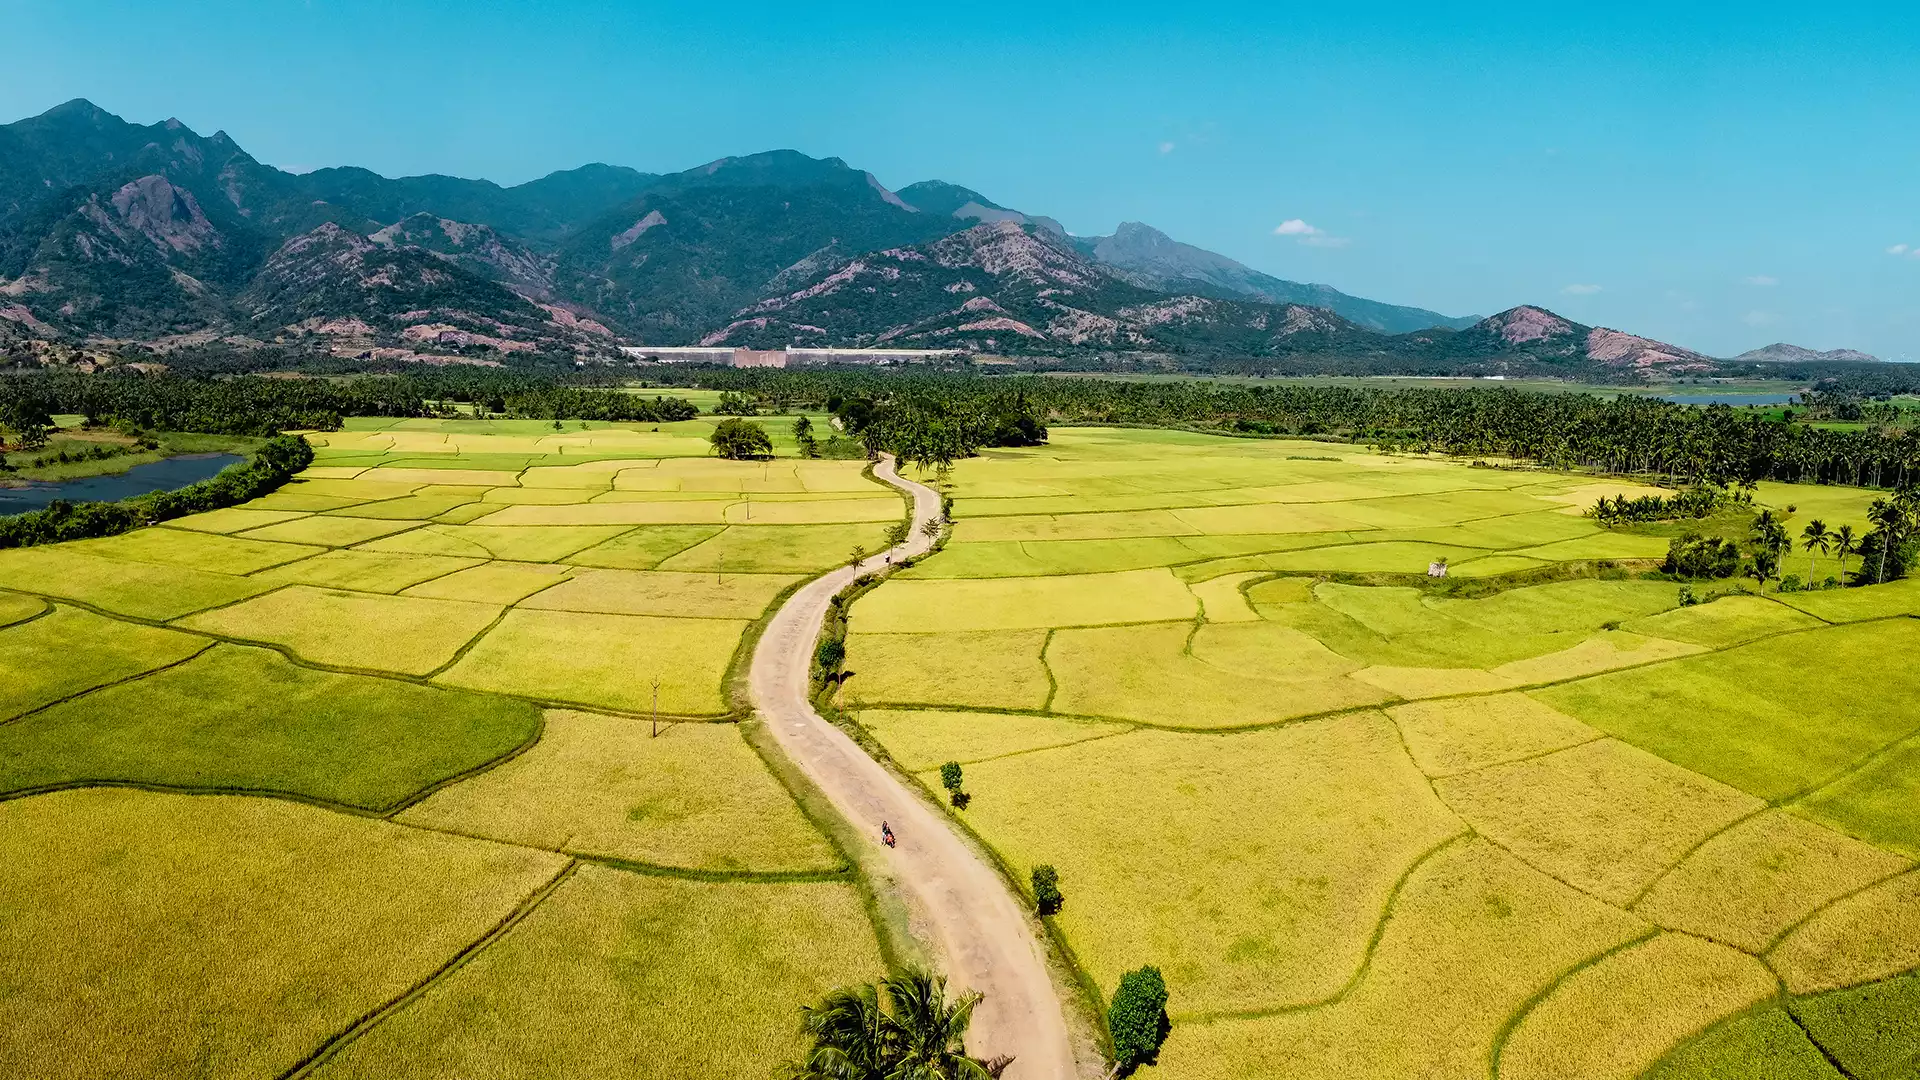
point(740, 440)
point(1660, 439)
point(1887, 552)
point(1697, 501)
point(257, 405)
point(276, 460)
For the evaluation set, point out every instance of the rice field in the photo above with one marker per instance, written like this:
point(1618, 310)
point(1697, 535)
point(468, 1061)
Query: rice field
point(288, 779)
point(1622, 824)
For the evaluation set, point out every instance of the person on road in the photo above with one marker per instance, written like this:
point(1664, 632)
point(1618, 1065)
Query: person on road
point(886, 834)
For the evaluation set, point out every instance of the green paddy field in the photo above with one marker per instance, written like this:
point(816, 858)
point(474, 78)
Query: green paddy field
point(1535, 819)
point(361, 779)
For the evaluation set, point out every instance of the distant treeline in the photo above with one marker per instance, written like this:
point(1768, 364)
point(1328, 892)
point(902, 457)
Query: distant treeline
point(1716, 444)
point(263, 405)
point(276, 460)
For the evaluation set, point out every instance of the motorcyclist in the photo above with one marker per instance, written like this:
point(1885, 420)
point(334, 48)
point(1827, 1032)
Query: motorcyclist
point(886, 834)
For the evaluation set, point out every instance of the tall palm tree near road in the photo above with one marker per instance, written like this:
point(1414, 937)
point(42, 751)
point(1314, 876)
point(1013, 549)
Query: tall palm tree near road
point(917, 1035)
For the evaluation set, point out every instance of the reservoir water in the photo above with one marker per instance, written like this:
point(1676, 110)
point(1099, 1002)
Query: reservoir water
point(165, 475)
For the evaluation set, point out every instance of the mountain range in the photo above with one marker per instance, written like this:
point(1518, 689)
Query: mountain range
point(117, 232)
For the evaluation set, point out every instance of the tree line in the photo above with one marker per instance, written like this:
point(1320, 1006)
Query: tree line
point(261, 405)
point(1653, 437)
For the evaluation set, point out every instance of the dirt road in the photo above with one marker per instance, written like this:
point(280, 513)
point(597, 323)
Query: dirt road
point(981, 932)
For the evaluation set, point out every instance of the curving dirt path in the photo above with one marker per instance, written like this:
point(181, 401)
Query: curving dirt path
point(981, 932)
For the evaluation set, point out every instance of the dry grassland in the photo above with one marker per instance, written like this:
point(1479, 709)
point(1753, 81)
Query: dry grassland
point(173, 935)
point(663, 592)
point(1602, 816)
point(245, 718)
point(694, 796)
point(1140, 673)
point(366, 571)
point(493, 582)
point(1451, 737)
point(1232, 861)
point(998, 669)
point(1023, 603)
point(610, 661)
point(1729, 620)
point(1868, 936)
point(1221, 600)
point(1749, 884)
point(70, 651)
point(192, 550)
point(921, 739)
point(141, 590)
point(1473, 935)
point(645, 547)
point(620, 975)
point(524, 543)
point(1619, 1017)
point(1765, 1045)
point(404, 634)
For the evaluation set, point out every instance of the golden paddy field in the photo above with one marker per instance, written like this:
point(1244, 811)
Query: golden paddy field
point(299, 786)
point(361, 779)
point(1535, 820)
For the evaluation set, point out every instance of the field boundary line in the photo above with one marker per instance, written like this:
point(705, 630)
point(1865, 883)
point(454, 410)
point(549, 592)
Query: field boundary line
point(425, 793)
point(1634, 901)
point(135, 677)
point(1533, 1001)
point(1773, 945)
point(369, 1021)
point(1858, 765)
point(1367, 955)
point(156, 788)
point(46, 609)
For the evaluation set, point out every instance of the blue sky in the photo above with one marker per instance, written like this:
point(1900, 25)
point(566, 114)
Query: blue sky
point(1720, 177)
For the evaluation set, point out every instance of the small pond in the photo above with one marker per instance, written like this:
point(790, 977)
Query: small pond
point(165, 475)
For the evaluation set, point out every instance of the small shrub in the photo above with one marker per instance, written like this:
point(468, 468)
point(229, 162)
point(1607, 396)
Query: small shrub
point(830, 654)
point(1790, 583)
point(951, 779)
point(1687, 597)
point(1046, 889)
point(1138, 1018)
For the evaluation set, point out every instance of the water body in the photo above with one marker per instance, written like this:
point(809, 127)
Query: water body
point(1733, 399)
point(164, 475)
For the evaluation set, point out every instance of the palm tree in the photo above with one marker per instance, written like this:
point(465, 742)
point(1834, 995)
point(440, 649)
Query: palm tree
point(1844, 544)
point(1815, 537)
point(918, 1035)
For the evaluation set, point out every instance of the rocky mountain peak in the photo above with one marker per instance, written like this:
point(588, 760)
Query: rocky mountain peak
point(1526, 323)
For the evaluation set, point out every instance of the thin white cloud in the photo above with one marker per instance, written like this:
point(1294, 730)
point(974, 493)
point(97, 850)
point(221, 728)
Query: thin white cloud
point(1166, 147)
point(1296, 227)
point(1763, 280)
point(1759, 318)
point(1581, 290)
point(1897, 249)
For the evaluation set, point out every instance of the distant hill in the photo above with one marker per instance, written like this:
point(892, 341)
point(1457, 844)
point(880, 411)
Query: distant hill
point(1782, 353)
point(1153, 260)
point(117, 232)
